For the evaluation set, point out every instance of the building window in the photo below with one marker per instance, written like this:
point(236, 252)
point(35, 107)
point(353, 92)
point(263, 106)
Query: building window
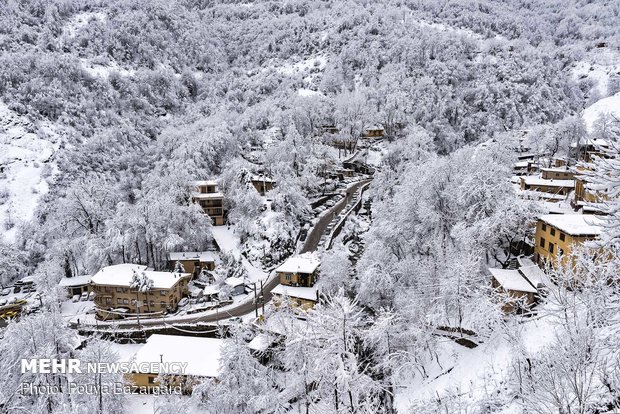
point(152, 303)
point(125, 302)
point(108, 301)
point(542, 242)
point(119, 289)
point(162, 292)
point(162, 304)
point(119, 301)
point(544, 227)
point(550, 247)
point(562, 236)
point(552, 231)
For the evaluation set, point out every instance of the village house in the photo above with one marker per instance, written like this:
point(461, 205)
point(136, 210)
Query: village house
point(211, 200)
point(374, 132)
point(521, 168)
point(75, 285)
point(201, 356)
point(297, 277)
point(587, 150)
point(263, 184)
point(547, 189)
point(557, 173)
point(193, 262)
point(519, 292)
point(115, 298)
point(557, 234)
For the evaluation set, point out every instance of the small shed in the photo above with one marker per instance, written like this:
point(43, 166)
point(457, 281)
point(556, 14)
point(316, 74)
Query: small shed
point(237, 284)
point(520, 293)
point(75, 285)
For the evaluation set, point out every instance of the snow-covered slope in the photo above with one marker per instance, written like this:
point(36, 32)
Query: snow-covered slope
point(26, 167)
point(609, 105)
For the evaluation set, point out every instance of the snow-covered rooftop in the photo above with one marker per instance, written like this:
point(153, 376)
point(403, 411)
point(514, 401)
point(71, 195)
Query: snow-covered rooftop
point(534, 275)
point(512, 280)
point(234, 281)
point(74, 281)
point(574, 224)
point(304, 263)
point(205, 196)
point(201, 354)
point(260, 342)
point(205, 182)
point(207, 256)
point(308, 293)
point(262, 178)
point(530, 180)
point(556, 169)
point(211, 290)
point(121, 274)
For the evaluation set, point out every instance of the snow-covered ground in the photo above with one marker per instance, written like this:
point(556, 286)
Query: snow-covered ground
point(80, 20)
point(474, 372)
point(599, 65)
point(609, 105)
point(26, 167)
point(229, 242)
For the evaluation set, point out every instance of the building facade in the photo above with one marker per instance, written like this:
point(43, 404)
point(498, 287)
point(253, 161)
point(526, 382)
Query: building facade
point(208, 196)
point(116, 298)
point(557, 234)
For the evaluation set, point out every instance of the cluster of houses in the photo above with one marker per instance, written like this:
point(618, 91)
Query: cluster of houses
point(556, 234)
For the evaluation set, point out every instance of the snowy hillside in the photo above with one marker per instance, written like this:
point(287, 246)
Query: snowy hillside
point(27, 166)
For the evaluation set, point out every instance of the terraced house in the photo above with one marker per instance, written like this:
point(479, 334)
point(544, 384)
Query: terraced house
point(209, 197)
point(558, 234)
point(298, 276)
point(115, 296)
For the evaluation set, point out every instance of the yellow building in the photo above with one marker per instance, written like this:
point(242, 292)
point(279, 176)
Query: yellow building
point(115, 298)
point(211, 200)
point(518, 292)
point(193, 262)
point(263, 184)
point(184, 361)
point(297, 278)
point(557, 234)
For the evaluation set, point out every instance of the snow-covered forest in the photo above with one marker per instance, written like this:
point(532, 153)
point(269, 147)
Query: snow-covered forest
point(112, 110)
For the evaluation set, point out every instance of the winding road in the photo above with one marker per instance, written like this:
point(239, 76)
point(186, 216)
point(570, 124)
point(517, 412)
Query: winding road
point(239, 309)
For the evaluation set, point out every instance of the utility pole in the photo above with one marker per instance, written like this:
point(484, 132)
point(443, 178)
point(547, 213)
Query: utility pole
point(255, 301)
point(262, 296)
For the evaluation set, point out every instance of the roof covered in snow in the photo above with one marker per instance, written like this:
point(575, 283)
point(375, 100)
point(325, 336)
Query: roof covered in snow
point(197, 256)
point(260, 342)
point(262, 178)
point(75, 281)
point(234, 281)
point(548, 183)
point(308, 293)
point(574, 224)
point(201, 354)
point(205, 196)
point(534, 275)
point(304, 263)
point(205, 182)
point(512, 280)
point(121, 274)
